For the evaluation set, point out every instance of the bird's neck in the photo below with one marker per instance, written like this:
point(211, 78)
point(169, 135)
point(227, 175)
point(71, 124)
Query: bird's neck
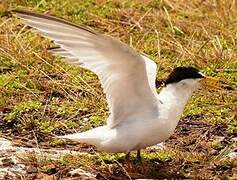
point(173, 99)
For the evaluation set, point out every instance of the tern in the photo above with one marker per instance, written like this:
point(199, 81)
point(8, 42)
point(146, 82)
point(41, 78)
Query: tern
point(139, 117)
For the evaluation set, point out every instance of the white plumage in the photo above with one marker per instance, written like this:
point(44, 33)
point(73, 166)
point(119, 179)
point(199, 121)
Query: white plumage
point(139, 117)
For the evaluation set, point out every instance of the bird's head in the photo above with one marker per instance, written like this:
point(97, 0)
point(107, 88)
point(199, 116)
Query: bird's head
point(191, 78)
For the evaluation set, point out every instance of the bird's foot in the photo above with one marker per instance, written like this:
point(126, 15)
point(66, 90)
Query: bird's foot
point(142, 164)
point(128, 164)
point(139, 166)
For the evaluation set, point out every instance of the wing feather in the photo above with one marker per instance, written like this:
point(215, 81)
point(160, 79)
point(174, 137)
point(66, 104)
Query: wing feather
point(123, 72)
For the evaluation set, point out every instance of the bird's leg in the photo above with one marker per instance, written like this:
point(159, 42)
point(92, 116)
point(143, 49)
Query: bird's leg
point(127, 157)
point(128, 162)
point(139, 158)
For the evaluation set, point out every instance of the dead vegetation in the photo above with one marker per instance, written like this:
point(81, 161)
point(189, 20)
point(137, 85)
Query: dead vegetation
point(41, 96)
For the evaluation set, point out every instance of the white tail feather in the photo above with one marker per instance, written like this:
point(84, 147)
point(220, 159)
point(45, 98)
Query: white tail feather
point(94, 136)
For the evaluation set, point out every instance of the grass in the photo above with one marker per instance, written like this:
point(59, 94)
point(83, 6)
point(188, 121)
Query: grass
point(41, 95)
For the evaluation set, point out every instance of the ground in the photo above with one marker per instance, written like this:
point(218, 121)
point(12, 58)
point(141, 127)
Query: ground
point(42, 96)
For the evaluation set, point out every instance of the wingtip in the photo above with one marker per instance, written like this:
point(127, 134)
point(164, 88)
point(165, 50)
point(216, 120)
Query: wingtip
point(23, 13)
point(55, 48)
point(20, 11)
point(15, 10)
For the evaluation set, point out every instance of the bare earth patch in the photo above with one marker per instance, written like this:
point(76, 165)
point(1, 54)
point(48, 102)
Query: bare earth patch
point(198, 150)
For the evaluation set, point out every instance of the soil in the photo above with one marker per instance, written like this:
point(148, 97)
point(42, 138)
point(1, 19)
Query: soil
point(192, 143)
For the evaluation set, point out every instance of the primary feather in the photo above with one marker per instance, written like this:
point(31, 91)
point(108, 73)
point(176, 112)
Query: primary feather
point(117, 65)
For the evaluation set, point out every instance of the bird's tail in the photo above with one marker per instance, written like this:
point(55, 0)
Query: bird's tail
point(81, 137)
point(92, 137)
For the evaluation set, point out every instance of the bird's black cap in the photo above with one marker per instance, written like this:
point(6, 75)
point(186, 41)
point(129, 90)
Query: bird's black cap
point(181, 73)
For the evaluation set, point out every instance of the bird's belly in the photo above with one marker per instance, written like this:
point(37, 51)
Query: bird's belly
point(151, 138)
point(136, 136)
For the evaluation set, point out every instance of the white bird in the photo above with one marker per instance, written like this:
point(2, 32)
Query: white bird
point(139, 117)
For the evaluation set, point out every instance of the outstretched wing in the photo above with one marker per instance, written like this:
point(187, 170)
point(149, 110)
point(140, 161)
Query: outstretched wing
point(151, 67)
point(122, 70)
